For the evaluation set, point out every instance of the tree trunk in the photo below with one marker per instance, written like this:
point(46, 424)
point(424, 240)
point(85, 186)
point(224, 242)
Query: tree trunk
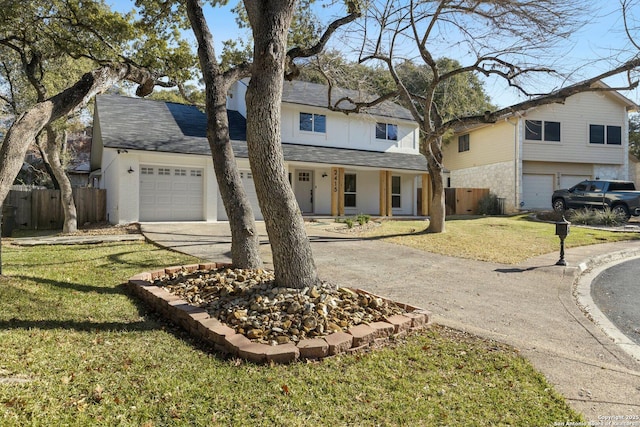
point(245, 242)
point(437, 212)
point(27, 126)
point(292, 258)
point(48, 168)
point(51, 153)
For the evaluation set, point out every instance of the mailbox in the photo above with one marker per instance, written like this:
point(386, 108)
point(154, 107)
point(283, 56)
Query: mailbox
point(562, 231)
point(562, 228)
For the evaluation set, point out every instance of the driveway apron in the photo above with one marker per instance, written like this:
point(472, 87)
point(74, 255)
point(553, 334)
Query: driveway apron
point(529, 306)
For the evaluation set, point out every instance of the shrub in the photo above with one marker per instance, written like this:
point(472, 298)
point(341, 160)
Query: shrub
point(608, 217)
point(489, 205)
point(363, 219)
point(588, 216)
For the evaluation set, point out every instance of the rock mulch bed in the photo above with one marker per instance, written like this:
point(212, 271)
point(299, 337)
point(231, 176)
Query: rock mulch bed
point(241, 313)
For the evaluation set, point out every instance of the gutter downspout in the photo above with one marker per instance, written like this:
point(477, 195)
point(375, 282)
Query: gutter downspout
point(516, 160)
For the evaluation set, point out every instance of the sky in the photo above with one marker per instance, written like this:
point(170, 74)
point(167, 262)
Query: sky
point(589, 50)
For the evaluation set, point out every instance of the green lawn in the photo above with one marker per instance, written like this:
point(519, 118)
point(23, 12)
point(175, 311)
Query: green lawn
point(92, 355)
point(507, 240)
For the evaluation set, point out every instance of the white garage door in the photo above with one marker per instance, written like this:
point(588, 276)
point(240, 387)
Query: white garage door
point(568, 181)
point(536, 191)
point(250, 188)
point(171, 193)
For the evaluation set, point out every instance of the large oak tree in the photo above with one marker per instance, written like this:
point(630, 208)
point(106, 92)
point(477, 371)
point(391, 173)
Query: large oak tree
point(43, 33)
point(504, 40)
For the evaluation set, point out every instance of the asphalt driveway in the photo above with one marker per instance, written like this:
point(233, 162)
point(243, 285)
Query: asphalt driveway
point(530, 306)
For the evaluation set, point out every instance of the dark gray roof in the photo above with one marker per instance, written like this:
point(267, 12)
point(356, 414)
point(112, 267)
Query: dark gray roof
point(141, 124)
point(305, 93)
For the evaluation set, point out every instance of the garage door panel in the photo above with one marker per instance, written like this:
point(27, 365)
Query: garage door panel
point(536, 191)
point(172, 194)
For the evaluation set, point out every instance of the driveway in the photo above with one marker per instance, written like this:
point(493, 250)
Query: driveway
point(529, 306)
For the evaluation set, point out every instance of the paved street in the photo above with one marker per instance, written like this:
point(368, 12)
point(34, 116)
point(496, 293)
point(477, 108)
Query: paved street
point(616, 292)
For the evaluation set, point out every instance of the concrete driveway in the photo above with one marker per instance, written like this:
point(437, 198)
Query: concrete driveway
point(529, 306)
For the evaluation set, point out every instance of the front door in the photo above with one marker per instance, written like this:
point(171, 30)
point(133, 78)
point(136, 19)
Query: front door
point(304, 190)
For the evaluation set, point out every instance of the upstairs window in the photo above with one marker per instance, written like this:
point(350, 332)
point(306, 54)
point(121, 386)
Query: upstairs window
point(387, 131)
point(313, 122)
point(537, 130)
point(552, 131)
point(601, 134)
point(463, 143)
point(614, 135)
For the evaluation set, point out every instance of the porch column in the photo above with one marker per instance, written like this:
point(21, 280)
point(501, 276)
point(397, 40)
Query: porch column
point(426, 199)
point(337, 191)
point(385, 194)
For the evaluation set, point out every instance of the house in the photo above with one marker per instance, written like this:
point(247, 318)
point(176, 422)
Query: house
point(525, 156)
point(154, 159)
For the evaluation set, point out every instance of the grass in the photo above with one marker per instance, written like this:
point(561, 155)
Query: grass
point(506, 240)
point(93, 356)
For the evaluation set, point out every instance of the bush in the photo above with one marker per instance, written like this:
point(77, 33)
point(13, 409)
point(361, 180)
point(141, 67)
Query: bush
point(489, 205)
point(363, 219)
point(588, 216)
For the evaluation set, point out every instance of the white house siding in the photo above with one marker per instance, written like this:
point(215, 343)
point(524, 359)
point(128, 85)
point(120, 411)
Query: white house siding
point(355, 131)
point(498, 177)
point(575, 116)
point(610, 172)
point(110, 180)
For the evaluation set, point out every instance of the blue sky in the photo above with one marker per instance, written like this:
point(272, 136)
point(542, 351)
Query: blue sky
point(589, 50)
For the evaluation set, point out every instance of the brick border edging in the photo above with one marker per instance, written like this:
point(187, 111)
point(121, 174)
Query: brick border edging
point(224, 339)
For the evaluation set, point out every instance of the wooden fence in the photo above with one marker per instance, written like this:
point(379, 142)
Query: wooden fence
point(42, 209)
point(463, 201)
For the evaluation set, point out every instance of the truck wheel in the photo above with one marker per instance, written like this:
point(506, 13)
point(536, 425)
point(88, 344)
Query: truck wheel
point(559, 205)
point(621, 210)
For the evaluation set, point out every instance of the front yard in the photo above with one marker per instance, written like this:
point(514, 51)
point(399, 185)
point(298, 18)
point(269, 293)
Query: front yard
point(506, 240)
point(77, 350)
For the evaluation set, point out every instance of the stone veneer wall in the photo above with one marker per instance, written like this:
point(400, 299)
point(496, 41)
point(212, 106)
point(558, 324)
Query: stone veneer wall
point(497, 177)
point(198, 323)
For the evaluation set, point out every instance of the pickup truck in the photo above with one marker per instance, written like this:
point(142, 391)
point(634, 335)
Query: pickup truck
point(619, 196)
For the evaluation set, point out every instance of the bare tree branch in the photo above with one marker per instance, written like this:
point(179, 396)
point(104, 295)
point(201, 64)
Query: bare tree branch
point(301, 52)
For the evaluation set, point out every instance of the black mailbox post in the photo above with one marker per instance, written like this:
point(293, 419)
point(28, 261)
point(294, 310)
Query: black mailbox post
point(562, 231)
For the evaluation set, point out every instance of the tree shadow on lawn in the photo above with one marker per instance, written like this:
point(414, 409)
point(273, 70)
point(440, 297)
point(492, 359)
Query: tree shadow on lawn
point(149, 320)
point(79, 287)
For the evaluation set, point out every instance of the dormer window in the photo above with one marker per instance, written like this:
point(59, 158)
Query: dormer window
point(387, 131)
point(313, 122)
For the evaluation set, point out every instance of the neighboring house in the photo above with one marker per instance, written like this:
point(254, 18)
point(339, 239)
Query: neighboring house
point(154, 159)
point(525, 156)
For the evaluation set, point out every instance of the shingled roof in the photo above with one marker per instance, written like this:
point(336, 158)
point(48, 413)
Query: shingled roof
point(148, 125)
point(305, 93)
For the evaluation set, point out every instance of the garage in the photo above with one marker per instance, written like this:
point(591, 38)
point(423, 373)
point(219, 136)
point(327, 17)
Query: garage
point(171, 193)
point(536, 191)
point(247, 181)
